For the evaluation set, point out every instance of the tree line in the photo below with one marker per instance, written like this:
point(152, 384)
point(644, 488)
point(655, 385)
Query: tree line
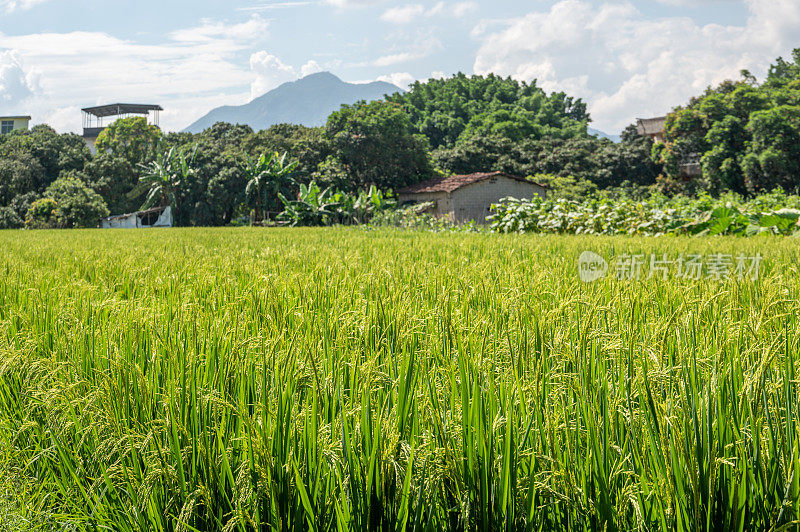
point(746, 134)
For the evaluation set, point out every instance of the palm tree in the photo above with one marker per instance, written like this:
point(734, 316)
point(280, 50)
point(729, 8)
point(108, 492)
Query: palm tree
point(164, 177)
point(267, 178)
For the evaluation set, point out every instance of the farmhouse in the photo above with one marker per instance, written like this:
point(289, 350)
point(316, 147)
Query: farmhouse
point(13, 123)
point(157, 217)
point(652, 127)
point(464, 198)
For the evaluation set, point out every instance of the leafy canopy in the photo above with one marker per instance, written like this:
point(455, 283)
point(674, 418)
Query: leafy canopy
point(446, 110)
point(132, 138)
point(746, 135)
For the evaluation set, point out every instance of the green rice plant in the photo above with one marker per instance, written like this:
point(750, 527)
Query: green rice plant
point(341, 379)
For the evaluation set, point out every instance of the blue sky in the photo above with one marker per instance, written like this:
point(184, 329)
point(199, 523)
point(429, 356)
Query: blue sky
point(626, 58)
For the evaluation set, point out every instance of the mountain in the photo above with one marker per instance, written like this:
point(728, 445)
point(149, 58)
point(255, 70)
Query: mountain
point(602, 135)
point(307, 101)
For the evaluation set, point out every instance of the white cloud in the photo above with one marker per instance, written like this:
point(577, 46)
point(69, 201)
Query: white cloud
point(696, 3)
point(393, 59)
point(410, 12)
point(463, 9)
point(14, 5)
point(277, 5)
point(399, 79)
point(194, 70)
point(16, 85)
point(353, 3)
point(270, 72)
point(422, 46)
point(312, 67)
point(403, 14)
point(626, 65)
point(210, 30)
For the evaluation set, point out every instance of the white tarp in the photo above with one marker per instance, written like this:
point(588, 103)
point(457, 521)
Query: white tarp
point(137, 220)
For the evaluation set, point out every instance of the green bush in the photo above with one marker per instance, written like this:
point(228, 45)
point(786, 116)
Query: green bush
point(42, 214)
point(319, 207)
point(9, 219)
point(78, 205)
point(773, 213)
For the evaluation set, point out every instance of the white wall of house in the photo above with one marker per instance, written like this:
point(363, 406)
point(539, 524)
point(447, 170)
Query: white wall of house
point(473, 202)
point(91, 143)
point(442, 200)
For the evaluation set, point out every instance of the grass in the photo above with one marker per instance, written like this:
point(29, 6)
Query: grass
point(337, 379)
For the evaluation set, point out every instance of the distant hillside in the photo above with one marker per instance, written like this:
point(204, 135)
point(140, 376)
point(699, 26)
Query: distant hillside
point(602, 135)
point(307, 101)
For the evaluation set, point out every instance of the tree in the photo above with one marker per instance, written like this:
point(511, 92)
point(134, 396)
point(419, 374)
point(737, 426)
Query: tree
point(20, 173)
point(42, 214)
point(776, 147)
point(479, 153)
point(213, 194)
point(268, 178)
point(308, 146)
point(566, 187)
point(374, 144)
point(745, 134)
point(33, 159)
point(9, 219)
point(599, 161)
point(449, 110)
point(114, 178)
point(130, 138)
point(77, 204)
point(163, 178)
point(313, 206)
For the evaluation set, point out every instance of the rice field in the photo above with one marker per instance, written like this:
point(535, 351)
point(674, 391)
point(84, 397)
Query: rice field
point(342, 379)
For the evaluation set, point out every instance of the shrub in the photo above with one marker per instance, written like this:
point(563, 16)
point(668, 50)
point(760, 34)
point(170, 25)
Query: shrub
point(78, 205)
point(775, 213)
point(42, 214)
point(9, 219)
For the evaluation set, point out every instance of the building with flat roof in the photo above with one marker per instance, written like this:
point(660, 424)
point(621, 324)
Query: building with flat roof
point(14, 123)
point(94, 118)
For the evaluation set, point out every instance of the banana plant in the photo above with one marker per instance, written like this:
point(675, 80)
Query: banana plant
point(163, 178)
point(313, 206)
point(268, 177)
point(316, 207)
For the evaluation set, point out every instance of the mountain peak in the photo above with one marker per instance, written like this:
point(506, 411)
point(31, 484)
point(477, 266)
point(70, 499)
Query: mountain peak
point(307, 101)
point(328, 76)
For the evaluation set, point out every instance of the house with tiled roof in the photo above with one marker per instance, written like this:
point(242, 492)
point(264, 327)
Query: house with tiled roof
point(464, 198)
point(655, 129)
point(652, 127)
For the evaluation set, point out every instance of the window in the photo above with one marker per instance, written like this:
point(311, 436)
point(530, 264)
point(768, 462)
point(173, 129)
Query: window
point(7, 126)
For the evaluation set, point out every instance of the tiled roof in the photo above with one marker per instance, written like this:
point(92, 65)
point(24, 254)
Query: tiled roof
point(453, 183)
